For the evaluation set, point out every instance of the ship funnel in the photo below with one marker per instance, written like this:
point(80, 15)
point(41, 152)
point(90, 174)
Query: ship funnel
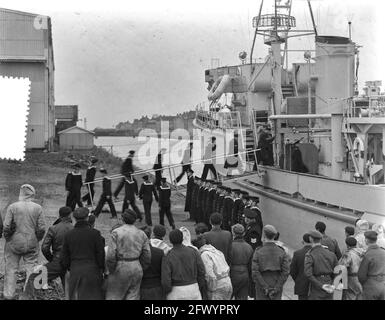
point(334, 70)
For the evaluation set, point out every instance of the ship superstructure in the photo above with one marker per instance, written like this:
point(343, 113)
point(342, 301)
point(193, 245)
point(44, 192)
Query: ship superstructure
point(315, 109)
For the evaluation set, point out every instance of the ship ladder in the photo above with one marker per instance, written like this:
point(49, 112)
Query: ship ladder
point(351, 152)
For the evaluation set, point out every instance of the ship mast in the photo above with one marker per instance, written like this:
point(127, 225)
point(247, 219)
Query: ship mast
point(276, 29)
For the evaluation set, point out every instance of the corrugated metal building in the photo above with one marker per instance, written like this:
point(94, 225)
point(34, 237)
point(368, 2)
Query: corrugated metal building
point(76, 138)
point(26, 51)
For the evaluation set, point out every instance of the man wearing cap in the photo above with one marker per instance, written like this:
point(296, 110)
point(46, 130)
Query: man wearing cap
point(265, 143)
point(53, 242)
point(253, 233)
point(24, 227)
point(228, 205)
point(208, 159)
point(106, 196)
point(186, 162)
point(165, 203)
point(371, 273)
point(183, 271)
point(151, 285)
point(240, 269)
point(237, 208)
point(189, 192)
point(319, 268)
point(159, 233)
point(270, 267)
point(220, 239)
point(158, 167)
point(90, 176)
point(127, 256)
point(130, 191)
point(301, 282)
point(147, 189)
point(126, 168)
point(327, 241)
point(83, 256)
point(73, 184)
point(351, 259)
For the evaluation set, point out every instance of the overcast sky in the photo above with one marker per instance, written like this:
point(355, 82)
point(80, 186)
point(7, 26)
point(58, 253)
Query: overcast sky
point(119, 60)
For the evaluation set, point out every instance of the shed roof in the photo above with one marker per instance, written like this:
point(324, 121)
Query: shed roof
point(76, 129)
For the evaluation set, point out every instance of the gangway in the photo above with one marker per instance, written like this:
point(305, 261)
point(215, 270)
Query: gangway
point(171, 169)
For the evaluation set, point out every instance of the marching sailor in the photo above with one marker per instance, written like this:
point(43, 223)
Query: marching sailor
point(147, 189)
point(131, 190)
point(90, 176)
point(165, 203)
point(73, 185)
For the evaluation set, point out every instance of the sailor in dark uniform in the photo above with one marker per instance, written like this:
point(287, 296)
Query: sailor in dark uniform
point(216, 195)
point(210, 201)
point(265, 143)
point(127, 167)
point(147, 189)
point(220, 199)
point(253, 235)
point(254, 206)
point(227, 212)
point(90, 176)
point(207, 185)
point(199, 203)
point(158, 167)
point(106, 196)
point(237, 208)
point(189, 192)
point(165, 203)
point(246, 205)
point(131, 190)
point(194, 199)
point(253, 231)
point(73, 185)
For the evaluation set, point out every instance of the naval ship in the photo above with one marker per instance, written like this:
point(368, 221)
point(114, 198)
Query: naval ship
point(315, 110)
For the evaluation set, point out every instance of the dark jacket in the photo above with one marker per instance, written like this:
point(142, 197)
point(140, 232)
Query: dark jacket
point(373, 264)
point(210, 201)
point(131, 189)
point(219, 204)
point(221, 240)
point(227, 212)
point(147, 189)
point(83, 254)
point(127, 166)
point(241, 256)
point(189, 193)
point(158, 162)
point(73, 182)
point(253, 235)
point(332, 244)
point(301, 286)
point(90, 174)
point(237, 211)
point(164, 196)
point(269, 259)
point(319, 263)
point(54, 239)
point(182, 266)
point(107, 186)
point(152, 275)
point(200, 197)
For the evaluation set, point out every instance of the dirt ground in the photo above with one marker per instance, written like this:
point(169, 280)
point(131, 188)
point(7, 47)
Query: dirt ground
point(47, 172)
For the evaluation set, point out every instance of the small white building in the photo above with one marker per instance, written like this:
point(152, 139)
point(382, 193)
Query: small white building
point(76, 138)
